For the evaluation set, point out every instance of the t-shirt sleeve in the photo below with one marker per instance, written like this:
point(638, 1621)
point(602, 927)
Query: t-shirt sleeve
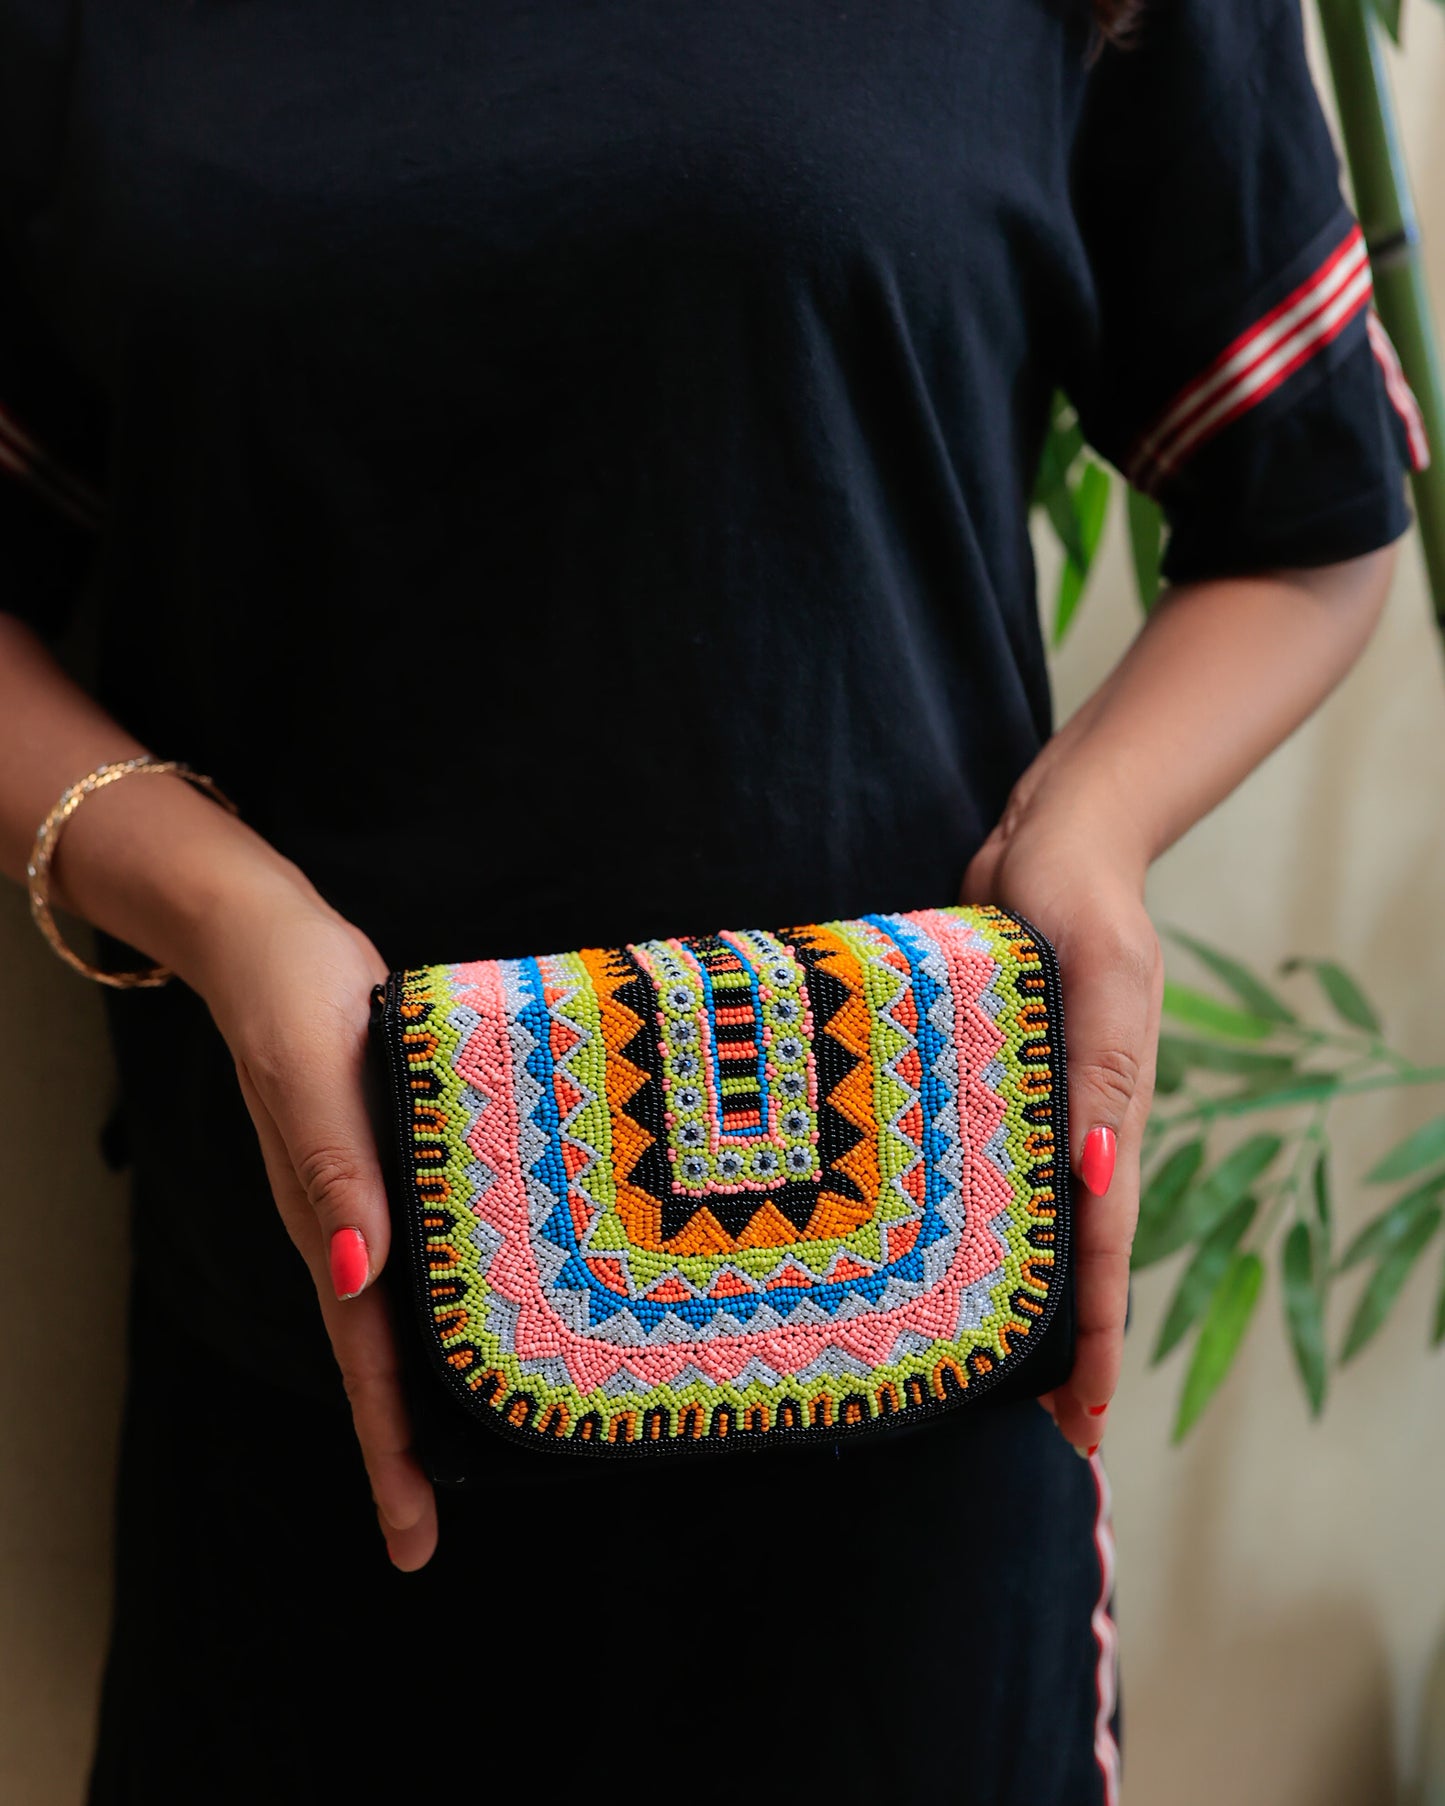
point(1239, 371)
point(51, 494)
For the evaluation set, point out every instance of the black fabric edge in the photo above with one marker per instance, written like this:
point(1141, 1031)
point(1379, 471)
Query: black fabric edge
point(1369, 521)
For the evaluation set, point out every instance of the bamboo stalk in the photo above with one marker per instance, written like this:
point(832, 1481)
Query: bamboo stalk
point(1385, 209)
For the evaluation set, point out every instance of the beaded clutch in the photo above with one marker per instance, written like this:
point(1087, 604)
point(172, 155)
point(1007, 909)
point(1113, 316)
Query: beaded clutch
point(728, 1191)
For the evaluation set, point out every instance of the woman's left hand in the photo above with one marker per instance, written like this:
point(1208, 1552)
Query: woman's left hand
point(1061, 862)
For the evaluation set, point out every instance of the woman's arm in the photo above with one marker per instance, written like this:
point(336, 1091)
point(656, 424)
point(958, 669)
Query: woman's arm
point(288, 983)
point(1220, 674)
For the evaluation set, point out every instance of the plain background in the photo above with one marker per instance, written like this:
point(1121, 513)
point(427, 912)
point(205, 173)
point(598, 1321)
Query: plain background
point(1281, 1583)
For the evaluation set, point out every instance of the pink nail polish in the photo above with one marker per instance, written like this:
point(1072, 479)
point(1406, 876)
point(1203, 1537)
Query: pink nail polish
point(349, 1261)
point(1096, 1163)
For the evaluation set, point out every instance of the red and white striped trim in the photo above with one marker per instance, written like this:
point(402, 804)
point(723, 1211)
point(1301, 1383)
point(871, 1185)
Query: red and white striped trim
point(1106, 1635)
point(1398, 389)
point(1254, 364)
point(32, 464)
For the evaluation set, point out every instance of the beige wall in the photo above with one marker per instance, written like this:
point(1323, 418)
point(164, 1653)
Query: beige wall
point(1282, 1585)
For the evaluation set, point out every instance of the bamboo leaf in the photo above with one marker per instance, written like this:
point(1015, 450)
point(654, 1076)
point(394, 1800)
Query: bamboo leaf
point(1220, 1336)
point(1251, 991)
point(1388, 13)
point(1089, 504)
point(1393, 1225)
point(1387, 1279)
point(1062, 444)
point(1052, 490)
point(1197, 1010)
point(1304, 1310)
point(1306, 1088)
point(1199, 1279)
point(1212, 1198)
point(1422, 1149)
point(1146, 544)
point(1057, 502)
point(1066, 601)
point(1437, 1334)
point(1324, 1209)
point(1346, 998)
point(1162, 1201)
point(1217, 1056)
point(1068, 433)
point(1170, 1071)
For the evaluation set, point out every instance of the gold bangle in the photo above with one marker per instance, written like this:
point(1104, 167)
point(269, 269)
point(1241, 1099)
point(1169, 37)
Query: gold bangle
point(47, 838)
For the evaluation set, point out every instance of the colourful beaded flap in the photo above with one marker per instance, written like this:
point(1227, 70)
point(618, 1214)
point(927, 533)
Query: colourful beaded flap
point(737, 1189)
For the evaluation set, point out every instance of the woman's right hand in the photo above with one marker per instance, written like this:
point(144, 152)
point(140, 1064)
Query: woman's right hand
point(288, 982)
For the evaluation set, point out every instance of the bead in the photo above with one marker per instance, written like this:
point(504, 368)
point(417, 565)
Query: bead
point(735, 1186)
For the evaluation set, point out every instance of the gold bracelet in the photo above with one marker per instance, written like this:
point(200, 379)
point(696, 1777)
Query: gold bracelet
point(47, 838)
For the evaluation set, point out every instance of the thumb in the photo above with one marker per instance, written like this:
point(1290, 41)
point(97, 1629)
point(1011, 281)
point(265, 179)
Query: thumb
point(1106, 1016)
point(318, 1107)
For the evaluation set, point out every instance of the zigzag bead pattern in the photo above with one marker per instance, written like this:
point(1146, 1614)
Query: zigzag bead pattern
point(733, 1189)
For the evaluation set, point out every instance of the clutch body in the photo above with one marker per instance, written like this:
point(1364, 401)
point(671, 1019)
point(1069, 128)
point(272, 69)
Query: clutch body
point(727, 1191)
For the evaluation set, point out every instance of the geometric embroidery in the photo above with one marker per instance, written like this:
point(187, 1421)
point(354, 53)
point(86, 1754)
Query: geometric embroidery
point(756, 1185)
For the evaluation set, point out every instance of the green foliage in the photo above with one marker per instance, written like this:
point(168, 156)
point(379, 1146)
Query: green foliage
point(1391, 1271)
point(1161, 1204)
point(1146, 545)
point(1324, 1206)
point(1245, 1048)
point(1220, 1335)
point(1198, 1010)
point(1072, 488)
point(1350, 1002)
point(1256, 996)
point(1203, 1275)
point(1196, 1055)
point(1301, 1280)
point(1393, 1226)
point(1416, 1151)
point(1437, 1334)
point(1089, 501)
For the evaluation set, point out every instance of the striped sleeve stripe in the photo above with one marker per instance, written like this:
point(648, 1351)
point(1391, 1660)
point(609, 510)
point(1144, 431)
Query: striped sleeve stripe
point(1254, 365)
point(1106, 1640)
point(33, 465)
point(1402, 396)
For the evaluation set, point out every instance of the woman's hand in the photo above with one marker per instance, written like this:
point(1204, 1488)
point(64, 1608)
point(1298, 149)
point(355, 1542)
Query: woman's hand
point(1059, 864)
point(1219, 674)
point(288, 982)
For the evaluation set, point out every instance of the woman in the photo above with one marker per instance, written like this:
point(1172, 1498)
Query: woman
point(565, 476)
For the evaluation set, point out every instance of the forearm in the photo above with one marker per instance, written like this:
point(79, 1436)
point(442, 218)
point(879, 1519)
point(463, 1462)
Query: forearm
point(150, 859)
point(1221, 673)
point(287, 982)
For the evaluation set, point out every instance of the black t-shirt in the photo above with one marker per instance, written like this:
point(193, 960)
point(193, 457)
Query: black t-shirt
point(564, 470)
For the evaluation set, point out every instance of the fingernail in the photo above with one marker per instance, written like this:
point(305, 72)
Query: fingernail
point(1096, 1163)
point(1085, 1454)
point(1097, 1410)
point(349, 1262)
